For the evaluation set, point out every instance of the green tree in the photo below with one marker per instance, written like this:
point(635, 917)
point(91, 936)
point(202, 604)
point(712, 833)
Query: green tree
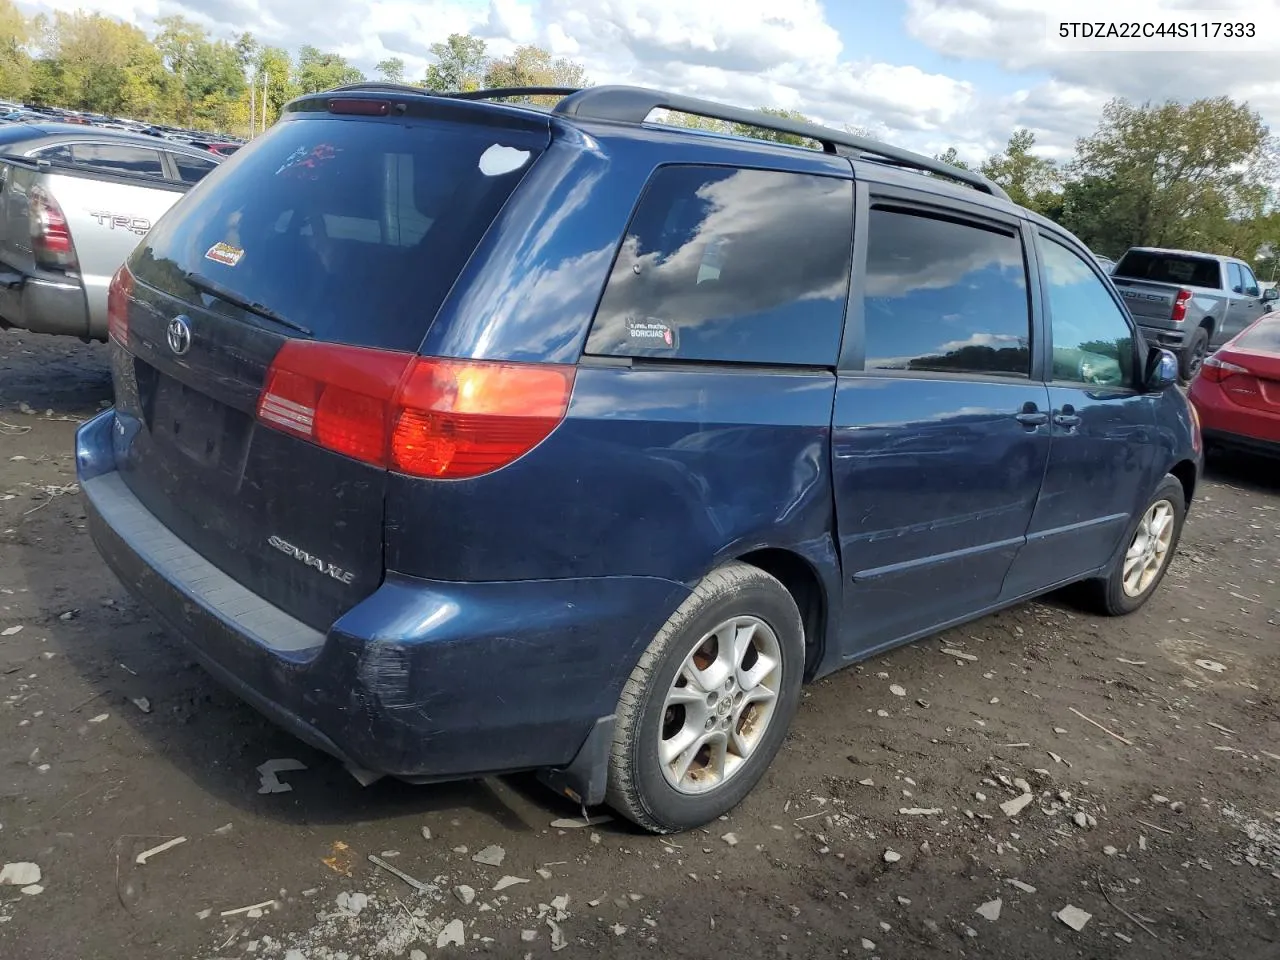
point(15, 61)
point(532, 66)
point(691, 121)
point(776, 136)
point(460, 64)
point(316, 71)
point(1030, 181)
point(950, 156)
point(275, 68)
point(93, 62)
point(391, 70)
point(1169, 174)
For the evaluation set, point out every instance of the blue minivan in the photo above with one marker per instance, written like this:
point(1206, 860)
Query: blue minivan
point(463, 437)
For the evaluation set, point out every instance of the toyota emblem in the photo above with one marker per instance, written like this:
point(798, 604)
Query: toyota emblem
point(179, 335)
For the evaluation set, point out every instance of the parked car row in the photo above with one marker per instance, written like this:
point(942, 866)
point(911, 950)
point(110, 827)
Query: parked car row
point(221, 144)
point(461, 437)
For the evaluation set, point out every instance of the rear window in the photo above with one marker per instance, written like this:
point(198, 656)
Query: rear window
point(728, 265)
point(1263, 337)
point(356, 229)
point(1169, 268)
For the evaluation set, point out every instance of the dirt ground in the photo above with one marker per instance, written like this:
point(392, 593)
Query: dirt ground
point(878, 833)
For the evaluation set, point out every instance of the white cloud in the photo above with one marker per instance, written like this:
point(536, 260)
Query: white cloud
point(763, 52)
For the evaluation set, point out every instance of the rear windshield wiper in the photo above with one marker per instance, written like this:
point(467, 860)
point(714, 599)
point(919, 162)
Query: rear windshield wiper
point(215, 289)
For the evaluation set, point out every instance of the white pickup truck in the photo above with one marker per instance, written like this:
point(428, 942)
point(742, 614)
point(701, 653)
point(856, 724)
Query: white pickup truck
point(74, 202)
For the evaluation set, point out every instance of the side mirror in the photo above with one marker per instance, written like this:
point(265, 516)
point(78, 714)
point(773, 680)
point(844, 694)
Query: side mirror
point(1271, 293)
point(1162, 370)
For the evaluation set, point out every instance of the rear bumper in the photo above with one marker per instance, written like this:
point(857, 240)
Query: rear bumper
point(44, 306)
point(424, 680)
point(1169, 338)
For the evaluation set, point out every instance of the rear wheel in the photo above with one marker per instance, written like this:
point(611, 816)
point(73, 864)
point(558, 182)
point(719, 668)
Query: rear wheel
point(1193, 354)
point(708, 705)
point(1148, 550)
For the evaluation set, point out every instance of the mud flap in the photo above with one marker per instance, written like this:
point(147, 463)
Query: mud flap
point(586, 776)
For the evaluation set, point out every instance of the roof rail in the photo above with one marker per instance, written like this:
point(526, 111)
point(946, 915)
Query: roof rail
point(500, 93)
point(634, 104)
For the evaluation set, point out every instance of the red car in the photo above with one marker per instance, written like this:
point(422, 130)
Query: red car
point(223, 149)
point(1237, 392)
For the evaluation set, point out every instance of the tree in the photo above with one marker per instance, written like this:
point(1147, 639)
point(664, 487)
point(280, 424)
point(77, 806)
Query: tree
point(776, 136)
point(276, 70)
point(15, 62)
point(460, 64)
point(1169, 174)
point(950, 156)
point(210, 74)
point(1029, 180)
point(691, 121)
point(391, 70)
point(96, 63)
point(317, 71)
point(532, 66)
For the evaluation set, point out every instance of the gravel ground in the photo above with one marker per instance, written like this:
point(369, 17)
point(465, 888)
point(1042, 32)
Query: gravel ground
point(879, 832)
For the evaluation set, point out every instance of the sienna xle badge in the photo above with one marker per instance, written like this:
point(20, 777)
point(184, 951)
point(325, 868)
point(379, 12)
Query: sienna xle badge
point(510, 439)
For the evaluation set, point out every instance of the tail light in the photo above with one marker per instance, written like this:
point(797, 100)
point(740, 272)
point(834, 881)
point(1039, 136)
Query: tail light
point(1180, 306)
point(422, 416)
point(50, 236)
point(118, 295)
point(1215, 369)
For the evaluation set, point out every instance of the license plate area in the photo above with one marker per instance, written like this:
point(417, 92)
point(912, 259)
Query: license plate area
point(206, 432)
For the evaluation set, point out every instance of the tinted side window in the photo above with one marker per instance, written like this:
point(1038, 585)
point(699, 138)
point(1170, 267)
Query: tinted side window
point(119, 158)
point(1235, 280)
point(1249, 283)
point(731, 265)
point(945, 296)
point(58, 154)
point(1092, 340)
point(192, 169)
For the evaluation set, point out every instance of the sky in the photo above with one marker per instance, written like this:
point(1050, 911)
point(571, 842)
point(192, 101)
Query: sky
point(924, 74)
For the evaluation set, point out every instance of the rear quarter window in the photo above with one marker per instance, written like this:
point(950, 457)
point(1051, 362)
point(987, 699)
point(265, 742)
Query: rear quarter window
point(730, 265)
point(1262, 337)
point(356, 229)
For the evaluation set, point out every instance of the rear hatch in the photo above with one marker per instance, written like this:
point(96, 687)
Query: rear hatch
point(1154, 283)
point(344, 227)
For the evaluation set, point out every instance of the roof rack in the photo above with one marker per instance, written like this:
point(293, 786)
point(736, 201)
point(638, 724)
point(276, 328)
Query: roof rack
point(625, 104)
point(634, 104)
point(499, 93)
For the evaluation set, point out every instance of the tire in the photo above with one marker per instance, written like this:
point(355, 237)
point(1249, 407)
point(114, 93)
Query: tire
point(736, 601)
point(1111, 596)
point(1193, 354)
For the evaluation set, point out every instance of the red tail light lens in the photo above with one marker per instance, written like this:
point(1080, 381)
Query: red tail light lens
point(1215, 369)
point(50, 236)
point(422, 416)
point(462, 418)
point(118, 296)
point(1180, 306)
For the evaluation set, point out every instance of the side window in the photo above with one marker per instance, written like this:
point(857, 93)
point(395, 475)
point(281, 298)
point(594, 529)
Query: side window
point(58, 154)
point(1249, 283)
point(720, 264)
point(1235, 280)
point(1092, 340)
point(192, 169)
point(119, 158)
point(945, 296)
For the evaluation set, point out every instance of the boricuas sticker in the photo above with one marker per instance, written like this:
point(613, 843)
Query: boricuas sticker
point(652, 333)
point(224, 253)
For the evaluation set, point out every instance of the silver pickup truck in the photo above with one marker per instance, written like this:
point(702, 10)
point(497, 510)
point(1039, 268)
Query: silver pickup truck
point(1189, 302)
point(74, 202)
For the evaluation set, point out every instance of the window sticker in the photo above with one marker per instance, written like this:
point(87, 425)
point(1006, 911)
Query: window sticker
point(225, 254)
point(651, 333)
point(498, 160)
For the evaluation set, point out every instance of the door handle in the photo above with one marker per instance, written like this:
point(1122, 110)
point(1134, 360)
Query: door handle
point(1031, 418)
point(1066, 420)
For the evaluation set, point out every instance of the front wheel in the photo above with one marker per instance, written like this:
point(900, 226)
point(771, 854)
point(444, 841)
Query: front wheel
point(1149, 549)
point(708, 705)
